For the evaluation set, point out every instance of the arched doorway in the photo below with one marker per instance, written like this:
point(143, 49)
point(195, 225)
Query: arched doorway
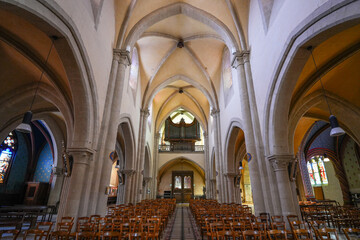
point(182, 178)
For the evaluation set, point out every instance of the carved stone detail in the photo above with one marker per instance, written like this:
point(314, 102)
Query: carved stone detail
point(214, 112)
point(240, 58)
point(122, 56)
point(128, 172)
point(280, 162)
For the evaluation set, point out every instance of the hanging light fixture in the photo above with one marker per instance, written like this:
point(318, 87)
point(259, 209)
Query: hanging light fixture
point(25, 126)
point(326, 159)
point(336, 130)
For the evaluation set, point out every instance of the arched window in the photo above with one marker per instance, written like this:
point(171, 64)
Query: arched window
point(317, 171)
point(134, 70)
point(7, 152)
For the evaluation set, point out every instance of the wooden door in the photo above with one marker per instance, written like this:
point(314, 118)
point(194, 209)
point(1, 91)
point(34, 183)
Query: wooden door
point(183, 185)
point(319, 194)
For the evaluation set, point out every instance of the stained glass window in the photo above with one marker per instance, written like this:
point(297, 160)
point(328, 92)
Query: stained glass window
point(317, 171)
point(7, 152)
point(178, 182)
point(187, 182)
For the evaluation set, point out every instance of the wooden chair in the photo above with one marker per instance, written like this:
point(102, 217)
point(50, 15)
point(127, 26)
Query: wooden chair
point(85, 235)
point(277, 218)
point(351, 231)
point(67, 219)
point(42, 230)
point(151, 230)
point(325, 233)
point(302, 234)
point(111, 236)
point(276, 234)
point(251, 234)
point(291, 218)
point(93, 218)
point(14, 233)
point(63, 231)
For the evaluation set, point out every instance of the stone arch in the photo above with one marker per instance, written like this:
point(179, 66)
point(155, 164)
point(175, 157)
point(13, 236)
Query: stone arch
point(229, 150)
point(327, 20)
point(210, 98)
point(340, 107)
point(176, 160)
point(20, 96)
point(52, 20)
point(175, 9)
point(147, 162)
point(130, 146)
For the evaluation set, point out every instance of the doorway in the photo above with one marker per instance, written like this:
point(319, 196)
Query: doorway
point(182, 185)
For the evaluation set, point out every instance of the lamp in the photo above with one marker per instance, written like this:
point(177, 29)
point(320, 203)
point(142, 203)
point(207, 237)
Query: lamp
point(117, 164)
point(25, 126)
point(326, 159)
point(240, 165)
point(336, 130)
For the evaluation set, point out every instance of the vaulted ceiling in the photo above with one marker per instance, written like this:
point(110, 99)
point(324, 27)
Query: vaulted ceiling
point(195, 67)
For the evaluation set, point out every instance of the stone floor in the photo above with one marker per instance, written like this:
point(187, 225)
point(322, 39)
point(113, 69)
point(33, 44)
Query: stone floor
point(181, 226)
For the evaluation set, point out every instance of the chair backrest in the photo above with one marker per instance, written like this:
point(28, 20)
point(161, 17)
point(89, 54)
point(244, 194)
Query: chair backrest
point(65, 226)
point(106, 227)
point(67, 219)
point(252, 234)
point(278, 226)
point(13, 232)
point(302, 234)
point(325, 233)
point(297, 225)
point(44, 226)
point(85, 235)
point(110, 235)
point(93, 218)
point(237, 226)
point(349, 231)
point(291, 218)
point(86, 227)
point(276, 234)
point(277, 218)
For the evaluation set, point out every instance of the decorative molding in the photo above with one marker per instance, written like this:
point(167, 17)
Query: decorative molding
point(122, 56)
point(128, 172)
point(280, 162)
point(145, 112)
point(240, 58)
point(214, 112)
point(230, 175)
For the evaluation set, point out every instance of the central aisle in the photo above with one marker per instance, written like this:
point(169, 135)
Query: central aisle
point(182, 224)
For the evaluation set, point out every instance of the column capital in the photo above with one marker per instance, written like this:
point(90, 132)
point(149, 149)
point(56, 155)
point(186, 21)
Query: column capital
point(213, 180)
point(214, 112)
point(145, 112)
point(128, 172)
point(205, 134)
point(122, 56)
point(280, 162)
point(147, 179)
point(240, 58)
point(81, 155)
point(231, 174)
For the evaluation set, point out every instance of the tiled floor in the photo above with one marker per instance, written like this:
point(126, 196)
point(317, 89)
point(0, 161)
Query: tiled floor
point(182, 227)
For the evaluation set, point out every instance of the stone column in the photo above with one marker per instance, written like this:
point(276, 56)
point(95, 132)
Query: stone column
point(215, 113)
point(213, 188)
point(72, 197)
point(255, 176)
point(123, 59)
point(267, 176)
point(280, 165)
point(207, 164)
point(231, 187)
point(146, 181)
point(155, 165)
point(138, 187)
point(128, 181)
